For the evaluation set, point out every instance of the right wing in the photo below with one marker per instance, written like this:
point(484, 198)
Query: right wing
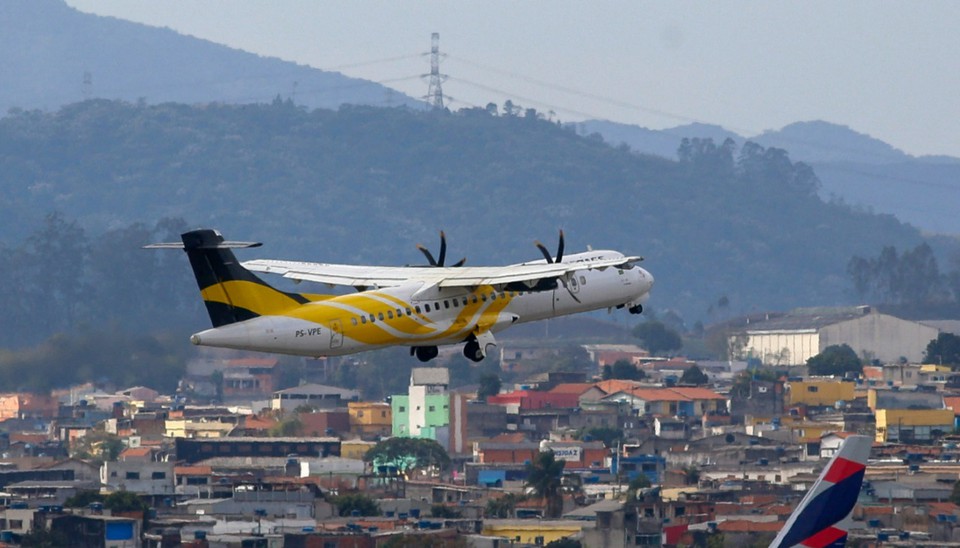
point(528, 274)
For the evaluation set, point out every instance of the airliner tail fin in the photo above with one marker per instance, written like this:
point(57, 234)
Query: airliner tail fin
point(820, 519)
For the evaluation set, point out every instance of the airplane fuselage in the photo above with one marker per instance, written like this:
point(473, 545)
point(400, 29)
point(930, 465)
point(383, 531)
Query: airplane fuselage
point(421, 315)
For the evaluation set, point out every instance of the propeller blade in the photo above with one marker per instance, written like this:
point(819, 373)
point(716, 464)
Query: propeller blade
point(560, 249)
point(543, 250)
point(427, 253)
point(443, 249)
point(459, 263)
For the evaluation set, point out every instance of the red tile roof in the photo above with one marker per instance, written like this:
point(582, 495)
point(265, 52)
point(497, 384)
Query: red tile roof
point(746, 526)
point(572, 388)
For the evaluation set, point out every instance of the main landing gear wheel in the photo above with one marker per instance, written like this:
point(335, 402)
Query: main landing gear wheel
point(472, 351)
point(636, 309)
point(424, 353)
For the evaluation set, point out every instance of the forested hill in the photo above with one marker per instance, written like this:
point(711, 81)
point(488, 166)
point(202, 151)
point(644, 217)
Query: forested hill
point(364, 184)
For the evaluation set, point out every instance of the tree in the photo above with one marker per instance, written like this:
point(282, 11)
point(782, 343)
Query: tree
point(945, 349)
point(504, 506)
point(124, 501)
point(835, 360)
point(489, 386)
point(360, 503)
point(657, 338)
point(83, 499)
point(622, 369)
point(408, 454)
point(609, 436)
point(693, 375)
point(544, 477)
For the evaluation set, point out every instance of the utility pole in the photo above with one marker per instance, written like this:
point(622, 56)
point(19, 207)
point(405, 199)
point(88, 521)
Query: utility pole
point(435, 90)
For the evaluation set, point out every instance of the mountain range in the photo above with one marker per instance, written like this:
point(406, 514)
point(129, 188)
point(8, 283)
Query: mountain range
point(853, 167)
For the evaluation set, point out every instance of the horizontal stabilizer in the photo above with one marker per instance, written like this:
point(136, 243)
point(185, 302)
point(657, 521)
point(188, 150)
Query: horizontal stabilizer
point(221, 245)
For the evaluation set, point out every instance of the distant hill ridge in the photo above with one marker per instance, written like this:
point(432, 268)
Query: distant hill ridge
point(48, 50)
point(854, 167)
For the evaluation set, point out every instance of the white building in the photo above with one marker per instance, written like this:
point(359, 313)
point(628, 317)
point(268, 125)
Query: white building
point(793, 338)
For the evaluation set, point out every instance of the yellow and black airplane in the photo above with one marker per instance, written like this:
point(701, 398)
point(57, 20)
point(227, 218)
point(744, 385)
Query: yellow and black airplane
point(422, 307)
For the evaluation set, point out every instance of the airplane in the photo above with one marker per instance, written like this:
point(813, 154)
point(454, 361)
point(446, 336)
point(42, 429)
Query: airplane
point(823, 515)
point(422, 307)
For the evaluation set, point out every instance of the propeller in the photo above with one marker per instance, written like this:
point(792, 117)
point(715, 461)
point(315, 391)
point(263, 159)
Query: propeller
point(546, 253)
point(443, 253)
point(559, 258)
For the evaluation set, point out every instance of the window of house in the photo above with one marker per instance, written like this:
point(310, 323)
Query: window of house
point(402, 409)
point(132, 475)
point(158, 475)
point(811, 389)
point(359, 413)
point(433, 408)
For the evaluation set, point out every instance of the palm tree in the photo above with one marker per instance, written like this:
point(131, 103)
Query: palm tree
point(543, 475)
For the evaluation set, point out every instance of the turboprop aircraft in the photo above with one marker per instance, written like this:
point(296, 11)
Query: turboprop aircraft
point(822, 517)
point(422, 307)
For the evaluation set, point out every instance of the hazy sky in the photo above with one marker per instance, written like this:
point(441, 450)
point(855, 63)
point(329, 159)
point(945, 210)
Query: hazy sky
point(888, 69)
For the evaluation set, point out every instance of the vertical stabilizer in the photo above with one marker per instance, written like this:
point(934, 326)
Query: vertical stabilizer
point(819, 520)
point(230, 292)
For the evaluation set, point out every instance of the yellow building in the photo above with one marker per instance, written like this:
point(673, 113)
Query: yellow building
point(355, 449)
point(529, 531)
point(820, 392)
point(369, 419)
point(913, 425)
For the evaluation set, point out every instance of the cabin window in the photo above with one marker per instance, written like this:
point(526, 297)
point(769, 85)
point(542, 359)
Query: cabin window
point(474, 299)
point(363, 319)
point(409, 312)
point(456, 303)
point(380, 316)
point(373, 318)
point(353, 321)
point(446, 303)
point(417, 308)
point(583, 280)
point(464, 301)
point(399, 313)
point(483, 297)
point(436, 306)
point(493, 296)
point(502, 296)
point(390, 314)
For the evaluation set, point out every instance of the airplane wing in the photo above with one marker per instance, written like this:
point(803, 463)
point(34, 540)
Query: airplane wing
point(466, 276)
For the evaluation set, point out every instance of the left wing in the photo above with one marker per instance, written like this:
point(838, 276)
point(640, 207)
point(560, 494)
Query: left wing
point(360, 276)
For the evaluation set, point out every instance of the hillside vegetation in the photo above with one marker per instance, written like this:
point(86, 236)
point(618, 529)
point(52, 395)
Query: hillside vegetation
point(739, 226)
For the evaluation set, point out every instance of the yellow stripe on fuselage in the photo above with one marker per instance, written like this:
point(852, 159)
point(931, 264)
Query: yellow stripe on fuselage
point(401, 329)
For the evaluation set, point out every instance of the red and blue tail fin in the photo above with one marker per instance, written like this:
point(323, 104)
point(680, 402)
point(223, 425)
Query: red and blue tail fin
point(820, 519)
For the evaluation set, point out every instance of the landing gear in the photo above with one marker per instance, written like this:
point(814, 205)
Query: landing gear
point(472, 351)
point(424, 353)
point(636, 309)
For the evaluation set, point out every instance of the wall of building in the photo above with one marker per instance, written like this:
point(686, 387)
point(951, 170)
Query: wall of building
point(783, 347)
point(920, 425)
point(820, 392)
point(883, 337)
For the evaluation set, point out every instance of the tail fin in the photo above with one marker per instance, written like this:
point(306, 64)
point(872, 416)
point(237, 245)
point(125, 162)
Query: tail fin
point(819, 520)
point(231, 293)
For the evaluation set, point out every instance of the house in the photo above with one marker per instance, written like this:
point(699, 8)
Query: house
point(816, 392)
point(370, 419)
point(317, 396)
point(429, 410)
